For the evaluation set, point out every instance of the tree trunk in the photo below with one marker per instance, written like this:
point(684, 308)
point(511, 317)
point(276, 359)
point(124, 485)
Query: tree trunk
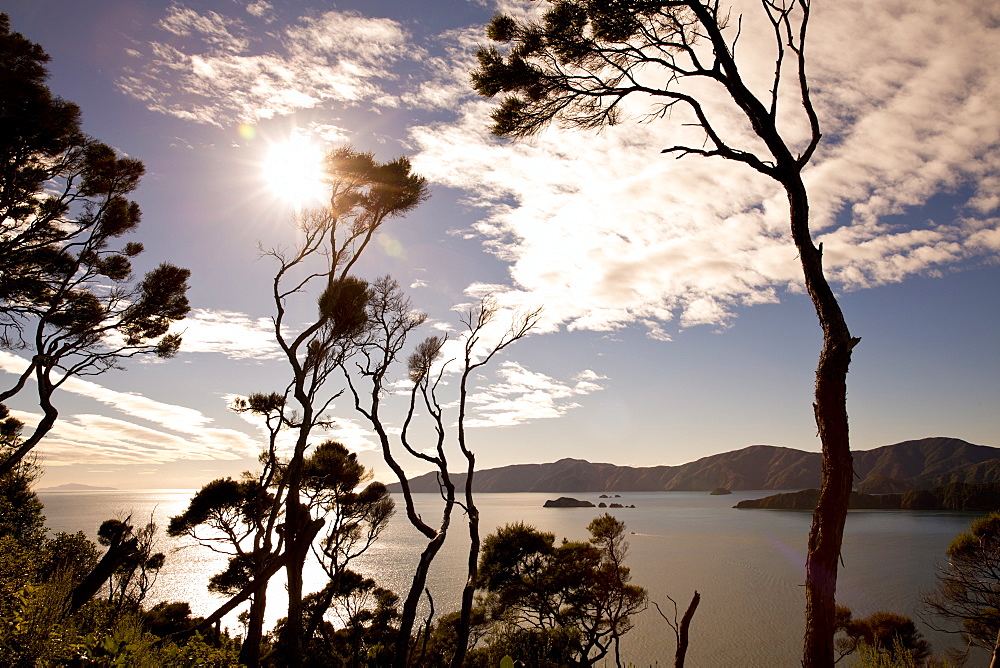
point(250, 651)
point(995, 660)
point(682, 631)
point(116, 555)
point(261, 580)
point(296, 523)
point(468, 593)
point(830, 409)
point(49, 415)
point(406, 622)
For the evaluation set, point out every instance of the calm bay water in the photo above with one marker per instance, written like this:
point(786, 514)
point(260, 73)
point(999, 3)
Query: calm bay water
point(747, 564)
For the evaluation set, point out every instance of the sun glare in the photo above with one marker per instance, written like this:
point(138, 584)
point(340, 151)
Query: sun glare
point(293, 170)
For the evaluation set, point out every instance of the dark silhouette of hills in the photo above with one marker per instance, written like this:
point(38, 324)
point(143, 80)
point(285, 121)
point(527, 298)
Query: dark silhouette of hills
point(77, 487)
point(953, 496)
point(923, 463)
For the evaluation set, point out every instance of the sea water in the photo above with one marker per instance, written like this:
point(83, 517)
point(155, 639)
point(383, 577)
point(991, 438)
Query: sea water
point(748, 565)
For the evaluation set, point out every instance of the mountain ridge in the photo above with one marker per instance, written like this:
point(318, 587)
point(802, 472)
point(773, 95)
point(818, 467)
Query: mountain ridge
point(931, 461)
point(77, 487)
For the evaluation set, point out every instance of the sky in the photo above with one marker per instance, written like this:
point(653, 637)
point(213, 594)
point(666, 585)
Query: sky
point(674, 323)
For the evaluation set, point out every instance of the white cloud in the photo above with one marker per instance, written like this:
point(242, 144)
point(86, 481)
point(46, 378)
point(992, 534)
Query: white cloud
point(589, 239)
point(261, 9)
point(524, 396)
point(226, 72)
point(606, 232)
point(601, 228)
point(351, 434)
point(235, 335)
point(84, 438)
point(100, 439)
point(211, 28)
point(445, 81)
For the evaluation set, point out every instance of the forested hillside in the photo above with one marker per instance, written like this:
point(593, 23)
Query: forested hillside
point(918, 464)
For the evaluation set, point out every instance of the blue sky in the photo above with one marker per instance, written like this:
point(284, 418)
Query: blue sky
point(674, 324)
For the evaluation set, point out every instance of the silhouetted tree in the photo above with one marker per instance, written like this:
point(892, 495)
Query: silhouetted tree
point(576, 65)
point(267, 510)
point(235, 518)
point(392, 321)
point(125, 566)
point(969, 585)
point(548, 604)
point(67, 293)
point(355, 517)
point(364, 194)
point(20, 510)
point(475, 321)
point(315, 274)
point(132, 581)
point(365, 633)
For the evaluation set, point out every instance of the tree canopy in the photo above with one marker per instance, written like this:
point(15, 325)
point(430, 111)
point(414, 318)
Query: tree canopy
point(969, 584)
point(67, 291)
point(576, 595)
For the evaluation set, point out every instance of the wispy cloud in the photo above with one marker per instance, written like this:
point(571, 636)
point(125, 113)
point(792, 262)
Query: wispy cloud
point(84, 438)
point(524, 396)
point(261, 9)
point(214, 69)
point(211, 28)
point(235, 335)
point(602, 229)
point(606, 232)
point(177, 432)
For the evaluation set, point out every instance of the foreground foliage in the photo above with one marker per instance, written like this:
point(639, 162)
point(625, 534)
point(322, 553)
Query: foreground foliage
point(969, 584)
point(49, 614)
point(546, 604)
point(881, 638)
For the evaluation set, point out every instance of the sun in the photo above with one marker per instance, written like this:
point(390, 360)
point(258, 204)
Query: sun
point(293, 171)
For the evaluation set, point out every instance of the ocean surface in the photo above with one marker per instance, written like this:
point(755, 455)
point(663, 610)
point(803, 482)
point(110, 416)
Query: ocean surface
point(748, 565)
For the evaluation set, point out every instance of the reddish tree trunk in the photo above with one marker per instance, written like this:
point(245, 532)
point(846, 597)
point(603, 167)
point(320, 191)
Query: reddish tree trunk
point(830, 409)
point(682, 631)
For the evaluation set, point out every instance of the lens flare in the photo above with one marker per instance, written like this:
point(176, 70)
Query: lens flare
point(247, 131)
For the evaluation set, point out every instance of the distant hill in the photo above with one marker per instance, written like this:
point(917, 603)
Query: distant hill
point(77, 487)
point(923, 463)
point(928, 462)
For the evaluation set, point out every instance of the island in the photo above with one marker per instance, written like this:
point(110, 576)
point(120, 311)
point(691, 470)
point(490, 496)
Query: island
point(953, 496)
point(719, 491)
point(77, 487)
point(567, 502)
